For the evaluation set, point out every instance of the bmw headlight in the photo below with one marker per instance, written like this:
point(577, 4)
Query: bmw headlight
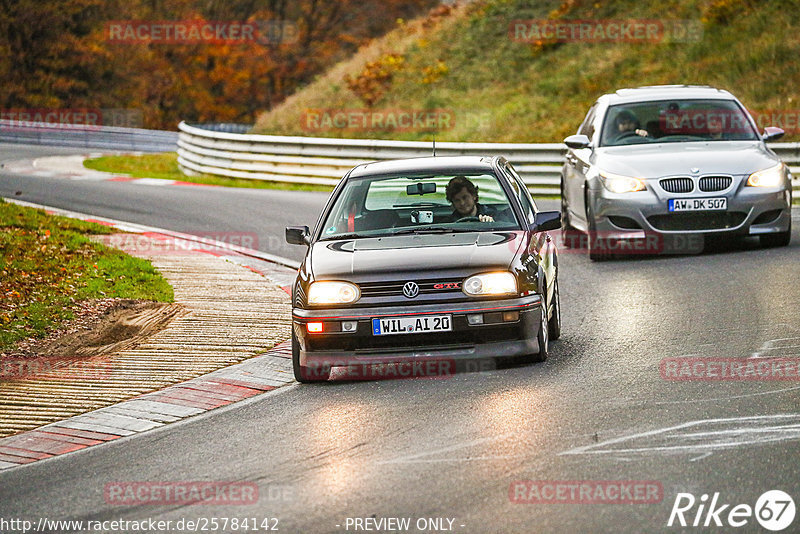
point(617, 183)
point(326, 292)
point(772, 177)
point(503, 283)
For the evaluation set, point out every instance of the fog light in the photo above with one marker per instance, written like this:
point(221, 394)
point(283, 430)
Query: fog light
point(349, 326)
point(511, 316)
point(475, 318)
point(314, 328)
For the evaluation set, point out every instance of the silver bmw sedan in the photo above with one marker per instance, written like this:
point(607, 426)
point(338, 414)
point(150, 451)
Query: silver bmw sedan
point(661, 169)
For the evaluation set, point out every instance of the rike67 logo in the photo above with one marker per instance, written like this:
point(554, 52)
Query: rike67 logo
point(774, 510)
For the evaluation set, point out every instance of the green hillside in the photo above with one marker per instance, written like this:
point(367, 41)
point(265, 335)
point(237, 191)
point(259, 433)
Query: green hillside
point(464, 65)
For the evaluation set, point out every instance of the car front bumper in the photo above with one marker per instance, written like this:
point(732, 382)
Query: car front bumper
point(509, 329)
point(750, 211)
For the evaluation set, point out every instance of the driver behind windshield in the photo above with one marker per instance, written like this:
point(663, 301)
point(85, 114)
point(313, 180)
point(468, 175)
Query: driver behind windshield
point(626, 124)
point(463, 194)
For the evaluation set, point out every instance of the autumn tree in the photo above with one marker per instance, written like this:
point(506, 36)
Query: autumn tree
point(56, 54)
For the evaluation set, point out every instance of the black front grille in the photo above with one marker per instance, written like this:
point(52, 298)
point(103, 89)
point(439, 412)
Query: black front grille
point(715, 183)
point(426, 287)
point(463, 338)
point(677, 185)
point(768, 217)
point(624, 222)
point(676, 222)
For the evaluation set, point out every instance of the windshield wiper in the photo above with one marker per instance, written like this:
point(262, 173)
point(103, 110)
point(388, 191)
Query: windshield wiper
point(403, 231)
point(431, 230)
point(343, 236)
point(417, 205)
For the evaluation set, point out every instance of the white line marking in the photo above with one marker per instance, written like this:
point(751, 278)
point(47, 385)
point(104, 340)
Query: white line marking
point(727, 398)
point(739, 431)
point(746, 436)
point(775, 344)
point(152, 181)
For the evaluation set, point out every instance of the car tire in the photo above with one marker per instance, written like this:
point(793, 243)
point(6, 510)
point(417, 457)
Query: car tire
point(543, 339)
point(780, 239)
point(595, 253)
point(570, 237)
point(305, 375)
point(554, 324)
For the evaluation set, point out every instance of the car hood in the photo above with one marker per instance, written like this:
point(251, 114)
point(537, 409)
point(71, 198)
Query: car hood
point(669, 159)
point(368, 258)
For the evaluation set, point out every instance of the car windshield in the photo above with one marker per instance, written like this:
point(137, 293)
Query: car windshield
point(392, 205)
point(676, 121)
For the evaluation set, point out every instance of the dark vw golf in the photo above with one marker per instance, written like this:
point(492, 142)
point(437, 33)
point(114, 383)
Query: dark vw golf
point(425, 260)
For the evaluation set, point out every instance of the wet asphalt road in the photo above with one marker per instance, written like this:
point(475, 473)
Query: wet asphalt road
point(256, 215)
point(598, 409)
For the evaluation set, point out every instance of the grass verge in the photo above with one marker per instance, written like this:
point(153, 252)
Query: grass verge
point(165, 166)
point(48, 264)
point(499, 89)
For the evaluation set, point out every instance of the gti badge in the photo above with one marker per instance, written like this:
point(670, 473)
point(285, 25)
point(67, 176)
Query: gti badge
point(447, 285)
point(410, 290)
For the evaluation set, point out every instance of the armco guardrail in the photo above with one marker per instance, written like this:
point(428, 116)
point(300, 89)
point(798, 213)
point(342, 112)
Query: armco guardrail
point(319, 160)
point(227, 150)
point(219, 150)
point(79, 136)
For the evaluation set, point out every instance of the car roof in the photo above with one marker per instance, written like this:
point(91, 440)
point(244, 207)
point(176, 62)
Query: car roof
point(666, 92)
point(438, 164)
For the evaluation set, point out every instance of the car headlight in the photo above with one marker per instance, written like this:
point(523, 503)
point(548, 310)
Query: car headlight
point(617, 183)
point(326, 292)
point(771, 177)
point(503, 283)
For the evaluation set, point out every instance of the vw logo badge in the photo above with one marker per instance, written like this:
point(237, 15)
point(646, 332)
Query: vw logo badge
point(410, 290)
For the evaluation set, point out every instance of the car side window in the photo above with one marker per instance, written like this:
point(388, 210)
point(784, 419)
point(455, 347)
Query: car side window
point(521, 192)
point(587, 127)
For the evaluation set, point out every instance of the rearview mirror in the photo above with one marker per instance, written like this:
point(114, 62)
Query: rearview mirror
point(297, 235)
point(772, 133)
point(421, 188)
point(546, 220)
point(577, 141)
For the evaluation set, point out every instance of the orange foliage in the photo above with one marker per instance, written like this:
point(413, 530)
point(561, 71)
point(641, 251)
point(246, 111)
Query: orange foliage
point(58, 54)
point(376, 78)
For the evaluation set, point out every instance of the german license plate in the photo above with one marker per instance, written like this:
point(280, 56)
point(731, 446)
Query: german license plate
point(412, 324)
point(698, 204)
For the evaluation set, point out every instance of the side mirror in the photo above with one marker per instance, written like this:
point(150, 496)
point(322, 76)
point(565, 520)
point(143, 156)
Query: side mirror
point(772, 133)
point(577, 141)
point(546, 220)
point(297, 235)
